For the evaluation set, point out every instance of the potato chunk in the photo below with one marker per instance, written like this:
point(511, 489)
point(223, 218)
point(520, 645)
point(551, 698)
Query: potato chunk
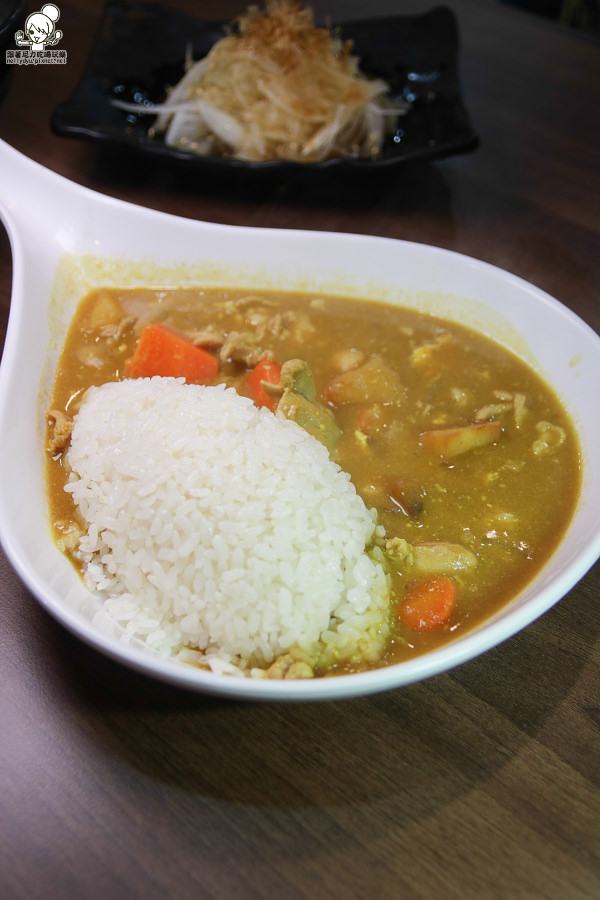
point(440, 557)
point(451, 442)
point(106, 311)
point(372, 382)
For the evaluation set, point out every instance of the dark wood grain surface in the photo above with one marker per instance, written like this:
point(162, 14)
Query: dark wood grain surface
point(480, 783)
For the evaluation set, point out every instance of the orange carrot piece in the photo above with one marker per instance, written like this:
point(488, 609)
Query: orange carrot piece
point(369, 419)
point(266, 370)
point(161, 351)
point(428, 604)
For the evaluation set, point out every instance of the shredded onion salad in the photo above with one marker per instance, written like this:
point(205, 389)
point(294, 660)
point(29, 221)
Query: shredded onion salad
point(275, 87)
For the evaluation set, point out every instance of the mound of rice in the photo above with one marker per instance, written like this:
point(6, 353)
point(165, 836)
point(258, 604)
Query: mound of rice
point(219, 527)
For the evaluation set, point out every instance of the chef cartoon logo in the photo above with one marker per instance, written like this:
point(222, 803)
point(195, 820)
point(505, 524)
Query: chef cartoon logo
point(39, 34)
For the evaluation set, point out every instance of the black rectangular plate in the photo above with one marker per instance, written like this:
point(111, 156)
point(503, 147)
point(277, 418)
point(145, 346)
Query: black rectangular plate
point(140, 50)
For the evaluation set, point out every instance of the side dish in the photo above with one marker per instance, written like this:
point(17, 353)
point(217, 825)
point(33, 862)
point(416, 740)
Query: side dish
point(283, 485)
point(276, 87)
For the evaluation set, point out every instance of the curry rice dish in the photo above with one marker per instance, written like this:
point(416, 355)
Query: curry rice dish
point(288, 485)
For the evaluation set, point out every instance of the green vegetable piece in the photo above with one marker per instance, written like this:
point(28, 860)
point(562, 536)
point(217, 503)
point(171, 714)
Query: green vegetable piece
point(314, 418)
point(299, 403)
point(296, 376)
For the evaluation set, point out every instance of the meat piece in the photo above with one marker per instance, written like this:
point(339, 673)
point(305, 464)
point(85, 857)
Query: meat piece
point(240, 347)
point(245, 303)
point(69, 534)
point(116, 331)
point(400, 551)
point(60, 426)
point(520, 407)
point(302, 328)
point(491, 411)
point(90, 355)
point(208, 339)
point(550, 438)
point(506, 401)
point(425, 354)
point(287, 666)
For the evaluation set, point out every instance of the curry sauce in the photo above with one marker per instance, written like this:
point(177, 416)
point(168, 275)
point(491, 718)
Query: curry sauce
point(467, 455)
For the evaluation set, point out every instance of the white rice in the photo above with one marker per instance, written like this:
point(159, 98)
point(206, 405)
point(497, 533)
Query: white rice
point(220, 528)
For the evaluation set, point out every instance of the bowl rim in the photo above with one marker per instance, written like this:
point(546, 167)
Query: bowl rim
point(508, 622)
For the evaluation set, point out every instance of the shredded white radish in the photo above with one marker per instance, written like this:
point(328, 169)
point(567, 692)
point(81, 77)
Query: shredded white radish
point(277, 87)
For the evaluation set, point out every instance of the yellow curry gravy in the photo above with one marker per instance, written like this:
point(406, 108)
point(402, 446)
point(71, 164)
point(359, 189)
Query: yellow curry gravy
point(402, 386)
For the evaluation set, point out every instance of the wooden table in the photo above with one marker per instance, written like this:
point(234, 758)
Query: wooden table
point(480, 783)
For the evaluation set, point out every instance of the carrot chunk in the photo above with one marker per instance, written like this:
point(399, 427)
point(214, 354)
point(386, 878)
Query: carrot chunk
point(161, 351)
point(266, 370)
point(428, 604)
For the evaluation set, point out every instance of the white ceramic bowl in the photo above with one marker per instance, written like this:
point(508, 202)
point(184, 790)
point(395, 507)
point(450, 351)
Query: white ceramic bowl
point(65, 238)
